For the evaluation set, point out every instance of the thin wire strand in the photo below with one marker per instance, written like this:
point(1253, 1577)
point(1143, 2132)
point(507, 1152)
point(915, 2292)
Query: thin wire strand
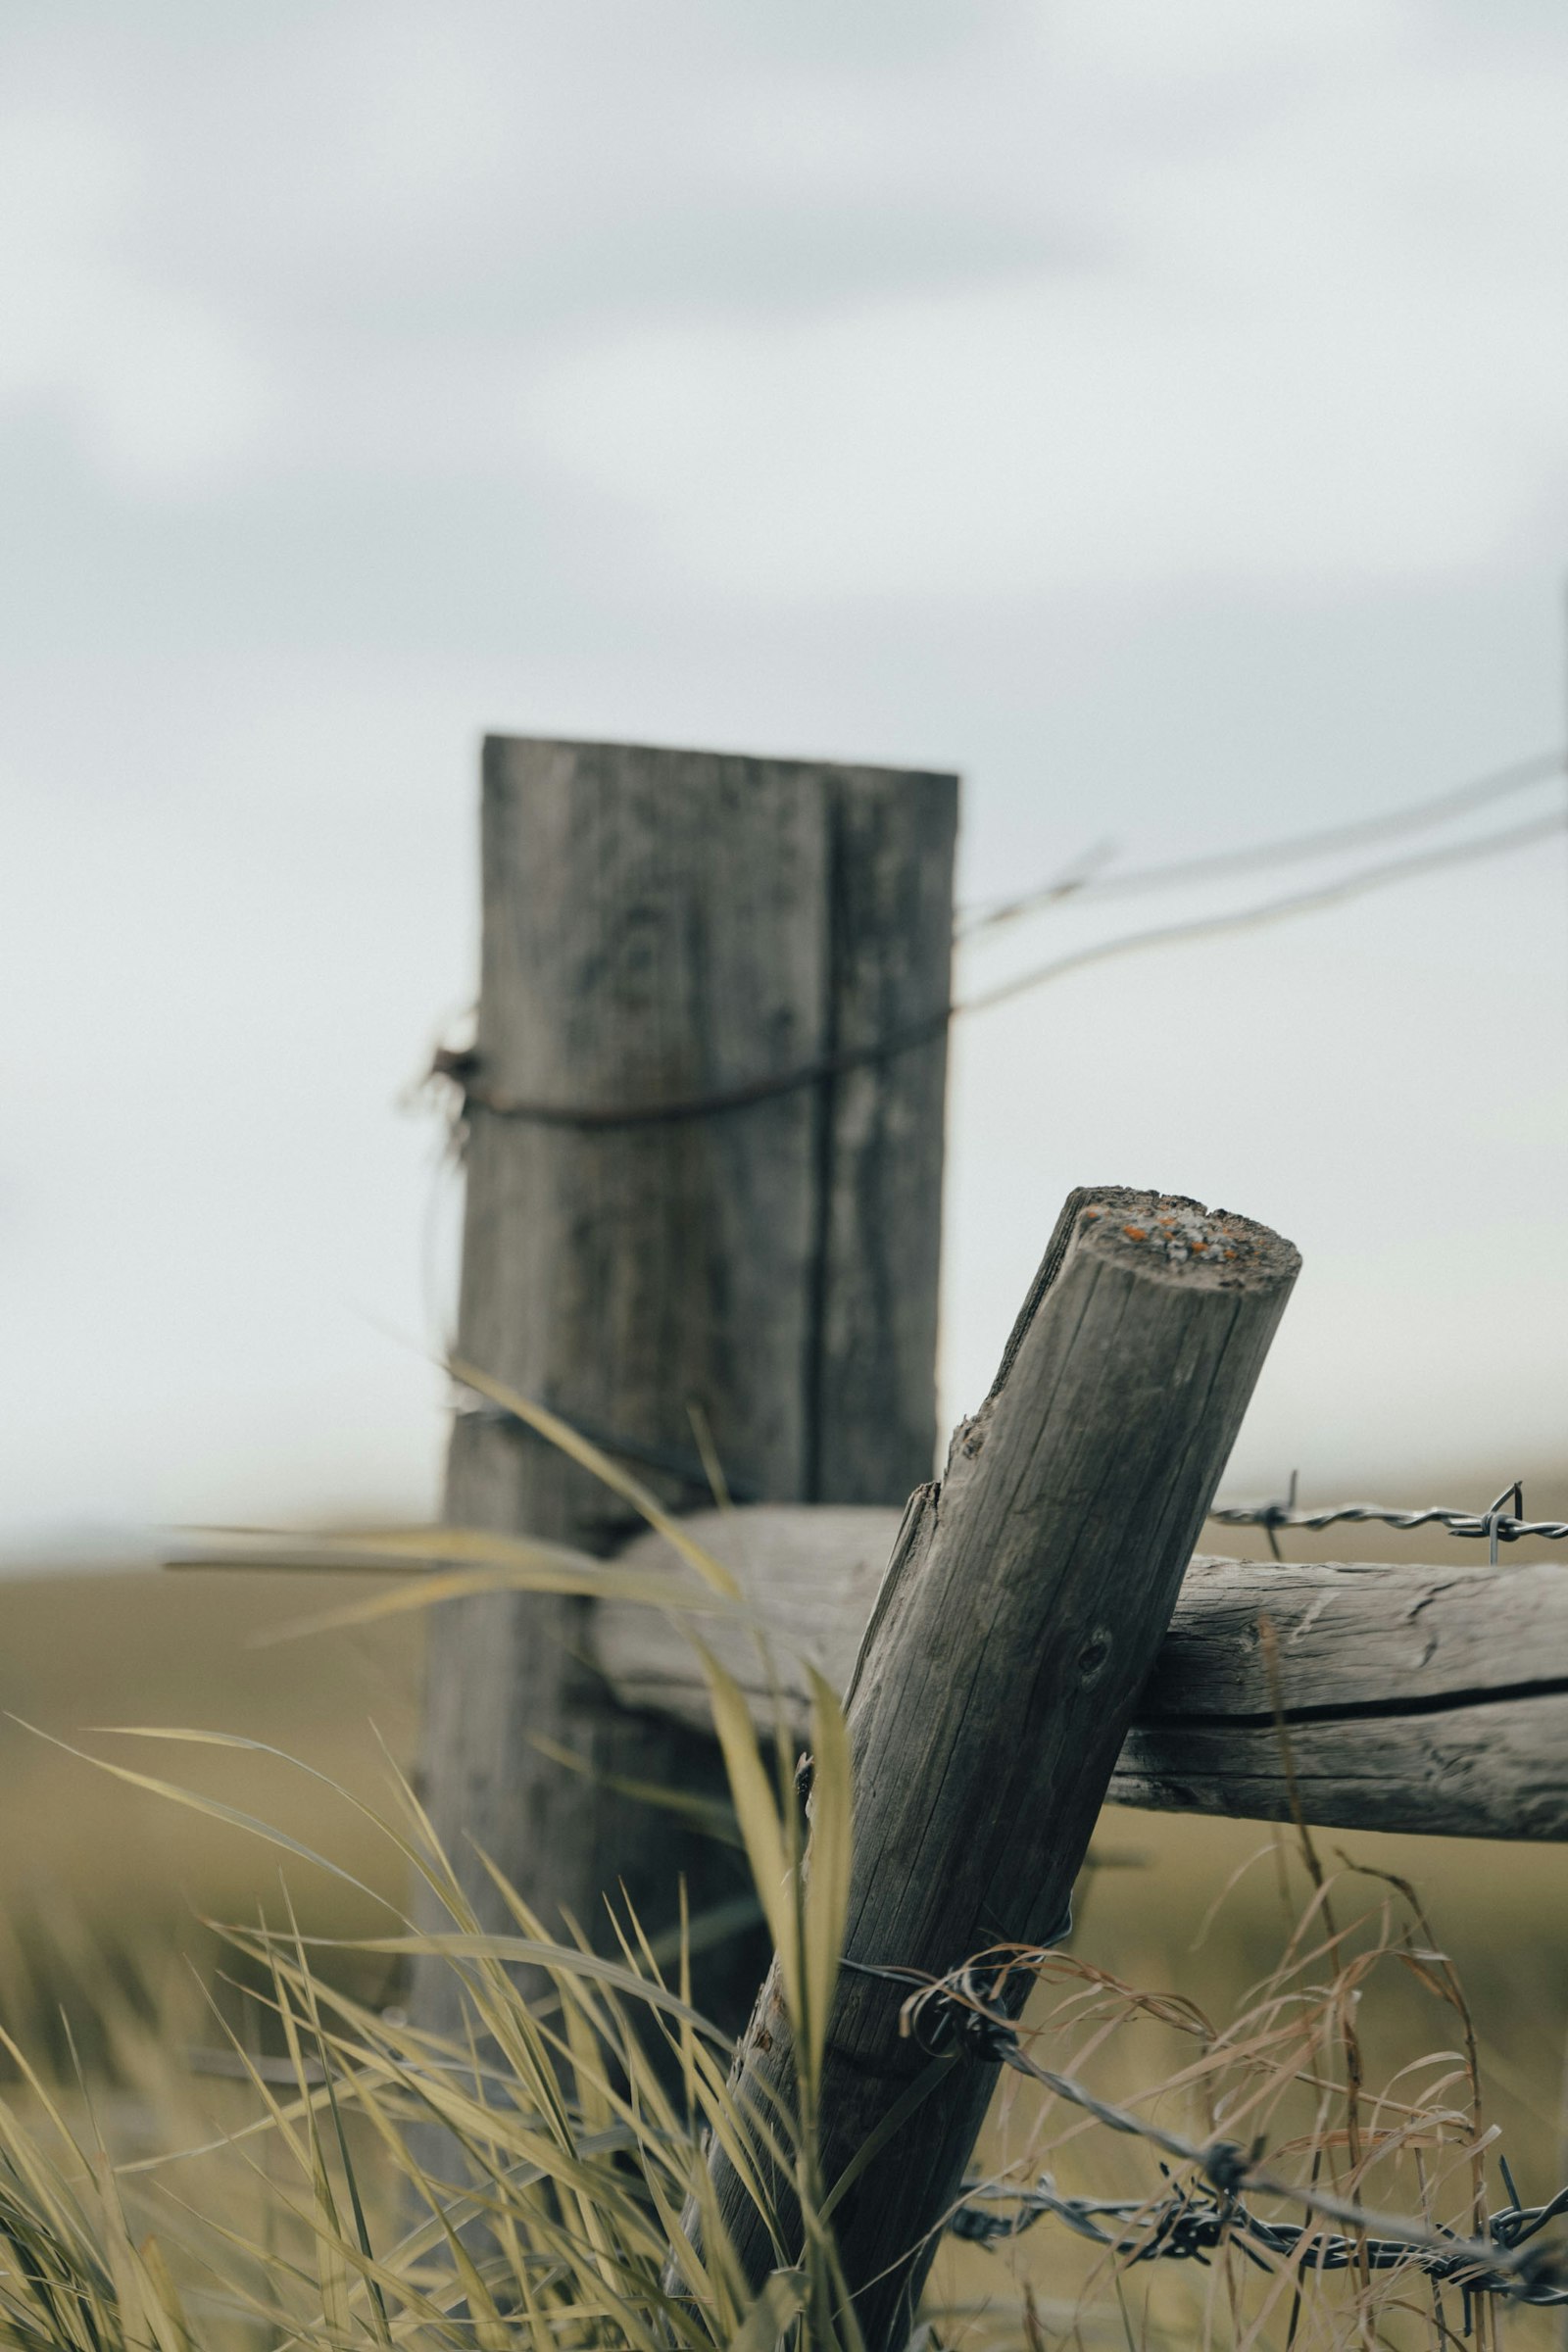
point(1506, 1529)
point(462, 1067)
point(956, 2013)
point(1188, 2228)
point(1081, 881)
point(1273, 910)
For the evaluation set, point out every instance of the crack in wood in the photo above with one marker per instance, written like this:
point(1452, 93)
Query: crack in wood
point(1363, 1710)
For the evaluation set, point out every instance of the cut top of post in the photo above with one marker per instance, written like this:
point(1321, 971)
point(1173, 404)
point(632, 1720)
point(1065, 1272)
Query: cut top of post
point(1157, 1237)
point(1162, 1234)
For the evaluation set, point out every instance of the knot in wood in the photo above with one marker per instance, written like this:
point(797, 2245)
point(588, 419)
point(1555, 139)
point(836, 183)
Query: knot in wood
point(1095, 1655)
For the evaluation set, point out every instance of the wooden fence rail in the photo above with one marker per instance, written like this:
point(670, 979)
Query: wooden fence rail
point(1413, 1698)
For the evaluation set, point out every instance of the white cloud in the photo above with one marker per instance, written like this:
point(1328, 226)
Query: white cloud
point(161, 389)
point(1142, 292)
point(1329, 340)
point(1027, 437)
point(1178, 381)
point(1177, 50)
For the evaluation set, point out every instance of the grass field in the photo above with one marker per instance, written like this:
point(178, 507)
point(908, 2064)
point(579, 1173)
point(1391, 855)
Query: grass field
point(94, 1874)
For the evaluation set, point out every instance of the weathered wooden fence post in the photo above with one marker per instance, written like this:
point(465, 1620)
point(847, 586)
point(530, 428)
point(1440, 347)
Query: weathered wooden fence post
point(1018, 1619)
point(662, 926)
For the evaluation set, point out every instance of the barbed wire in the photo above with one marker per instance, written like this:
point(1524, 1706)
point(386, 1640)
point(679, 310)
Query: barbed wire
point(1457, 1523)
point(1083, 879)
point(957, 2014)
point(462, 1067)
point(1495, 1523)
point(1187, 2226)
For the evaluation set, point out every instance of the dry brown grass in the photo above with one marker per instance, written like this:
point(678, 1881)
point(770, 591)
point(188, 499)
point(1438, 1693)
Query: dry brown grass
point(1207, 1988)
point(118, 1878)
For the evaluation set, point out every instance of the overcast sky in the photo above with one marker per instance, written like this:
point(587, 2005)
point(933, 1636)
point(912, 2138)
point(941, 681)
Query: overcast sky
point(1156, 409)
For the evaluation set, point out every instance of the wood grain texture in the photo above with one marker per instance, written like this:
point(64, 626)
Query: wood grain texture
point(1427, 1699)
point(1496, 1769)
point(661, 924)
point(810, 1571)
point(1016, 1625)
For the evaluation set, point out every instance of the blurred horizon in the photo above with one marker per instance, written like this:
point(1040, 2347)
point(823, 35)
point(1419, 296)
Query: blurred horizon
point(1154, 413)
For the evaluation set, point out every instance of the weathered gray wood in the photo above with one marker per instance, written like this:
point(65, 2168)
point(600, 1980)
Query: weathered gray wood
point(810, 1570)
point(1424, 1699)
point(659, 925)
point(1355, 1635)
point(1017, 1622)
point(1498, 1769)
point(1427, 1699)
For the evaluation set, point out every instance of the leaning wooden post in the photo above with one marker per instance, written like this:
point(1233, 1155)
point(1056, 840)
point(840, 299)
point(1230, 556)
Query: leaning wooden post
point(1021, 1611)
point(662, 927)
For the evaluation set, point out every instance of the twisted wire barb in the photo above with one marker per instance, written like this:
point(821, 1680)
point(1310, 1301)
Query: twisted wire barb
point(1506, 1527)
point(1187, 2226)
point(955, 2014)
point(1496, 1525)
